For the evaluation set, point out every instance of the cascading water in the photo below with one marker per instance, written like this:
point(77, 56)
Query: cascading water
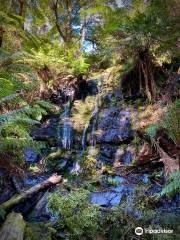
point(84, 137)
point(67, 127)
point(93, 119)
point(94, 123)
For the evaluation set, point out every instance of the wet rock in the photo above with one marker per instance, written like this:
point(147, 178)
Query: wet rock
point(72, 88)
point(106, 199)
point(127, 158)
point(118, 94)
point(18, 183)
point(145, 178)
point(108, 150)
point(47, 130)
point(62, 164)
point(116, 180)
point(40, 211)
point(2, 172)
point(114, 127)
point(7, 193)
point(30, 155)
point(92, 87)
point(116, 155)
point(7, 189)
point(112, 196)
point(34, 179)
point(103, 159)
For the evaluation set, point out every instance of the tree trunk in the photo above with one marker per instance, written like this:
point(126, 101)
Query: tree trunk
point(147, 70)
point(2, 31)
point(13, 228)
point(30, 192)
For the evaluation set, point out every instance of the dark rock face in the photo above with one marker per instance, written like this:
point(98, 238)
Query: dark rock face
point(30, 155)
point(47, 130)
point(108, 150)
point(115, 127)
point(72, 88)
point(40, 211)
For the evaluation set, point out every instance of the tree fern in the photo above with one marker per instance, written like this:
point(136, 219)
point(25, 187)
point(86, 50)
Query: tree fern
point(17, 120)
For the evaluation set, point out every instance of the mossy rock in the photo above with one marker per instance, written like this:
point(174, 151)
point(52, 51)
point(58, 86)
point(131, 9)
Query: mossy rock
point(38, 231)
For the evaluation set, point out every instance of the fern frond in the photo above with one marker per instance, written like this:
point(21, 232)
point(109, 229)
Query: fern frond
point(10, 129)
point(173, 186)
point(45, 104)
point(12, 144)
point(9, 98)
point(171, 122)
point(26, 111)
point(151, 131)
point(8, 20)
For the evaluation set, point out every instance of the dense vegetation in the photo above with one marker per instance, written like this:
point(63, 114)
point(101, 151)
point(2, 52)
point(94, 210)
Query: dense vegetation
point(67, 69)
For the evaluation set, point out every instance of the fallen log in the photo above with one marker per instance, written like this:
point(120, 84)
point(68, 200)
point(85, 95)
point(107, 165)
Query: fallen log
point(13, 227)
point(28, 193)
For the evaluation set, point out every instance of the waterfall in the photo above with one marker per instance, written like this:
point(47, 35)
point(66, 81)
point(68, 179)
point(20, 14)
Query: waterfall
point(93, 119)
point(76, 169)
point(67, 127)
point(94, 123)
point(84, 137)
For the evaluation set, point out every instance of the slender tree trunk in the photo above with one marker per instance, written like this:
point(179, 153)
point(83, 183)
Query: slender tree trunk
point(145, 72)
point(2, 31)
point(146, 66)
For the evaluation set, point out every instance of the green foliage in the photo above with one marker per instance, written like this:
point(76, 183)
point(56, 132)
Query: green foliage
point(151, 131)
point(17, 115)
point(76, 61)
point(55, 56)
point(82, 112)
point(13, 73)
point(76, 213)
point(126, 31)
point(14, 132)
point(171, 122)
point(173, 185)
point(39, 230)
point(2, 214)
point(89, 167)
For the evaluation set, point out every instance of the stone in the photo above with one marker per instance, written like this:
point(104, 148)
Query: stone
point(47, 130)
point(30, 155)
point(13, 228)
point(114, 127)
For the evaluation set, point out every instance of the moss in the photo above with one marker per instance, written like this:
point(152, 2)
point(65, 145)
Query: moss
point(38, 231)
point(76, 214)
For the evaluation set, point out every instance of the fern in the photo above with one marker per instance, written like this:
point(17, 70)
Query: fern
point(45, 105)
point(9, 98)
point(16, 145)
point(171, 122)
point(173, 186)
point(18, 119)
point(151, 131)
